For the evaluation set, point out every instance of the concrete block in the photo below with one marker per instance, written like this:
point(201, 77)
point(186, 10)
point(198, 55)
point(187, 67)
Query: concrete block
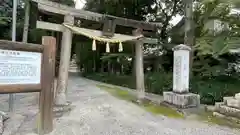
point(237, 96)
point(218, 104)
point(232, 102)
point(226, 98)
point(186, 100)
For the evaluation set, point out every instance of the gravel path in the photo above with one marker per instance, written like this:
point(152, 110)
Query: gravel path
point(98, 113)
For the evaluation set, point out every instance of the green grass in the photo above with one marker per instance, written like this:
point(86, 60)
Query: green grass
point(163, 110)
point(148, 106)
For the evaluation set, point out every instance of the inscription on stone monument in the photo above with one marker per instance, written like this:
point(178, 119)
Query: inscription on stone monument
point(177, 71)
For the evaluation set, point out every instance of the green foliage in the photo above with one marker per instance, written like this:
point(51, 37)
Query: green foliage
point(213, 90)
point(133, 9)
point(121, 80)
point(85, 56)
point(6, 18)
point(157, 82)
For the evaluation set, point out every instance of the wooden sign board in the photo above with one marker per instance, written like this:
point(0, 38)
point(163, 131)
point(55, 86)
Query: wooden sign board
point(108, 27)
point(19, 67)
point(30, 68)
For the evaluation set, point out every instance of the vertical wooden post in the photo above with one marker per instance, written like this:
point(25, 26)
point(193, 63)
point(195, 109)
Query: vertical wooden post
point(64, 63)
point(47, 82)
point(26, 21)
point(140, 86)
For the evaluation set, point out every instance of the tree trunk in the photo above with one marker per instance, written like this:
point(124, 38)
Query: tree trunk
point(109, 66)
point(189, 29)
point(26, 21)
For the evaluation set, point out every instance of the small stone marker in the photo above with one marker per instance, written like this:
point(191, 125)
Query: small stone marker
point(180, 95)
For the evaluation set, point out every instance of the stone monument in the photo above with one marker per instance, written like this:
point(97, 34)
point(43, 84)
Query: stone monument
point(180, 95)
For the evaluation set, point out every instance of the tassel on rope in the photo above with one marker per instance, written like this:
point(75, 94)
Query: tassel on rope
point(107, 48)
point(120, 48)
point(94, 45)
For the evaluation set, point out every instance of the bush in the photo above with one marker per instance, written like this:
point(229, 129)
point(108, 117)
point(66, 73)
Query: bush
point(157, 82)
point(214, 89)
point(120, 80)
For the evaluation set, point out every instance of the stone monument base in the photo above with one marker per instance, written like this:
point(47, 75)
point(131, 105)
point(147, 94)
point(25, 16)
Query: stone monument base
point(185, 100)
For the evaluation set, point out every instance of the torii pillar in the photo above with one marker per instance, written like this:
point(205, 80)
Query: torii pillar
point(140, 86)
point(65, 55)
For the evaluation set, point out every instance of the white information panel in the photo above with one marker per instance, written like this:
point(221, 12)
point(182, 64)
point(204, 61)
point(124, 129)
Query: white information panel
point(20, 67)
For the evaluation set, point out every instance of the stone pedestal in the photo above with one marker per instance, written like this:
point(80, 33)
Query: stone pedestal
point(180, 95)
point(186, 100)
point(230, 107)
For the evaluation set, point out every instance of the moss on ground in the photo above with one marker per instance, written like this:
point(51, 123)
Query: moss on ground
point(148, 106)
point(208, 117)
point(167, 111)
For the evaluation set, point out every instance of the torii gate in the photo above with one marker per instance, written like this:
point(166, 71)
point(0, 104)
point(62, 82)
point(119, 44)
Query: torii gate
point(68, 28)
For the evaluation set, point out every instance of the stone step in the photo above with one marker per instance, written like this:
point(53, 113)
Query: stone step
point(229, 119)
point(237, 96)
point(219, 103)
point(226, 98)
point(228, 111)
point(232, 102)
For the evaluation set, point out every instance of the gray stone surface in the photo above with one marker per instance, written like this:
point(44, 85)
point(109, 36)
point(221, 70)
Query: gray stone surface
point(232, 102)
point(225, 99)
point(98, 113)
point(230, 107)
point(186, 100)
point(237, 96)
point(229, 118)
point(181, 47)
point(228, 111)
point(1, 124)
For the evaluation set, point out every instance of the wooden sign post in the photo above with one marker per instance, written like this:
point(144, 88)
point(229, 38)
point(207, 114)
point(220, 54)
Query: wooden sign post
point(29, 68)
